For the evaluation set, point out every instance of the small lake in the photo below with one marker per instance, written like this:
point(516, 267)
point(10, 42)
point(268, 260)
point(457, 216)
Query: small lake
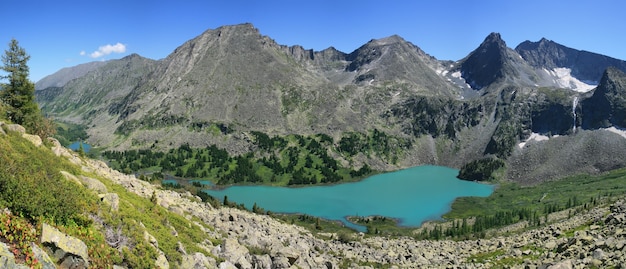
point(76, 145)
point(412, 196)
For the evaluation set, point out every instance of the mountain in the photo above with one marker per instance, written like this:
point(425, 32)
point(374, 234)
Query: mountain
point(227, 82)
point(607, 106)
point(63, 76)
point(585, 66)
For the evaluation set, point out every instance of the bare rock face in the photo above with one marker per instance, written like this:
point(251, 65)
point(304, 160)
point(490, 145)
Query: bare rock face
point(15, 128)
point(70, 252)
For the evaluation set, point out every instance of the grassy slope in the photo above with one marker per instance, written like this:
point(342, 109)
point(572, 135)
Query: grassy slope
point(509, 196)
point(38, 168)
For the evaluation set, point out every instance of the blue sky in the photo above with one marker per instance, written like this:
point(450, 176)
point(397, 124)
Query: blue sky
point(62, 33)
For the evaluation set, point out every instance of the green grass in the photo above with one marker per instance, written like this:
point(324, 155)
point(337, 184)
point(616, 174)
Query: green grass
point(510, 196)
point(34, 188)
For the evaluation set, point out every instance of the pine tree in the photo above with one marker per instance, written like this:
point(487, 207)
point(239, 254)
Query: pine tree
point(18, 94)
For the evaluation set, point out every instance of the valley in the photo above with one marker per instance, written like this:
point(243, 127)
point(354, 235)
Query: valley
point(539, 127)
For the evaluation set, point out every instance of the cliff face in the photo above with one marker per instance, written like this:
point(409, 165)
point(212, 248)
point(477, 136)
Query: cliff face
point(607, 106)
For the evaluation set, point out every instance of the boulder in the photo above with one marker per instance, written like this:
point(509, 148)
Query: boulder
point(232, 250)
point(93, 184)
point(71, 177)
point(567, 264)
point(2, 132)
point(111, 199)
point(15, 128)
point(151, 239)
point(227, 265)
point(262, 261)
point(197, 260)
point(551, 244)
point(161, 262)
point(64, 247)
point(35, 139)
point(42, 257)
point(7, 259)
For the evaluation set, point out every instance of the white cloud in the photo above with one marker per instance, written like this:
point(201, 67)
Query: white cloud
point(82, 53)
point(107, 49)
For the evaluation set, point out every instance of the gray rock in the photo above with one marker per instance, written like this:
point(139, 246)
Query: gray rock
point(161, 262)
point(567, 264)
point(42, 257)
point(599, 254)
point(280, 262)
point(7, 259)
point(35, 139)
point(550, 244)
point(181, 248)
point(111, 199)
point(64, 246)
point(15, 128)
point(262, 261)
point(227, 265)
point(197, 261)
point(71, 177)
point(93, 184)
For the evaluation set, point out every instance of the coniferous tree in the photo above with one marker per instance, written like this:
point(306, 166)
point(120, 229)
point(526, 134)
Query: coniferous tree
point(19, 93)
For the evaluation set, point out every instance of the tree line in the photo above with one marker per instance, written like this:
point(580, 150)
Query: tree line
point(289, 160)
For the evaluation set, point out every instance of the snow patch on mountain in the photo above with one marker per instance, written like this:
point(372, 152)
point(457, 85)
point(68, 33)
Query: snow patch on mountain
point(562, 77)
point(533, 137)
point(617, 130)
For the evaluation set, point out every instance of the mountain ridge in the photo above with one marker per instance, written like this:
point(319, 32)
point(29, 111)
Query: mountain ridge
point(234, 77)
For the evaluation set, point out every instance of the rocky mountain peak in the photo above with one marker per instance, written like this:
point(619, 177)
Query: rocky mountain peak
point(494, 38)
point(484, 65)
point(606, 107)
point(613, 82)
point(585, 66)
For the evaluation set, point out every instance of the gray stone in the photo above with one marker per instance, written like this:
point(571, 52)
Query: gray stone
point(599, 254)
point(262, 261)
point(71, 177)
point(93, 184)
point(567, 264)
point(15, 128)
point(7, 259)
point(281, 262)
point(550, 244)
point(111, 199)
point(42, 257)
point(197, 261)
point(35, 139)
point(151, 239)
point(64, 246)
point(161, 262)
point(228, 265)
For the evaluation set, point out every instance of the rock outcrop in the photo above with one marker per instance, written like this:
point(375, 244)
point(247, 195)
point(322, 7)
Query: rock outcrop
point(7, 259)
point(69, 252)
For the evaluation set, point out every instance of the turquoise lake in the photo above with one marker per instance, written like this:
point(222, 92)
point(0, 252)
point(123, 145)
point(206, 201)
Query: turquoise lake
point(74, 146)
point(411, 196)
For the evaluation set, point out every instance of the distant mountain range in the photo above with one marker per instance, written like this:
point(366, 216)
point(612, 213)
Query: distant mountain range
point(483, 106)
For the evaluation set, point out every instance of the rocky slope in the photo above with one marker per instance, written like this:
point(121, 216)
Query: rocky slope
point(592, 238)
point(63, 76)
